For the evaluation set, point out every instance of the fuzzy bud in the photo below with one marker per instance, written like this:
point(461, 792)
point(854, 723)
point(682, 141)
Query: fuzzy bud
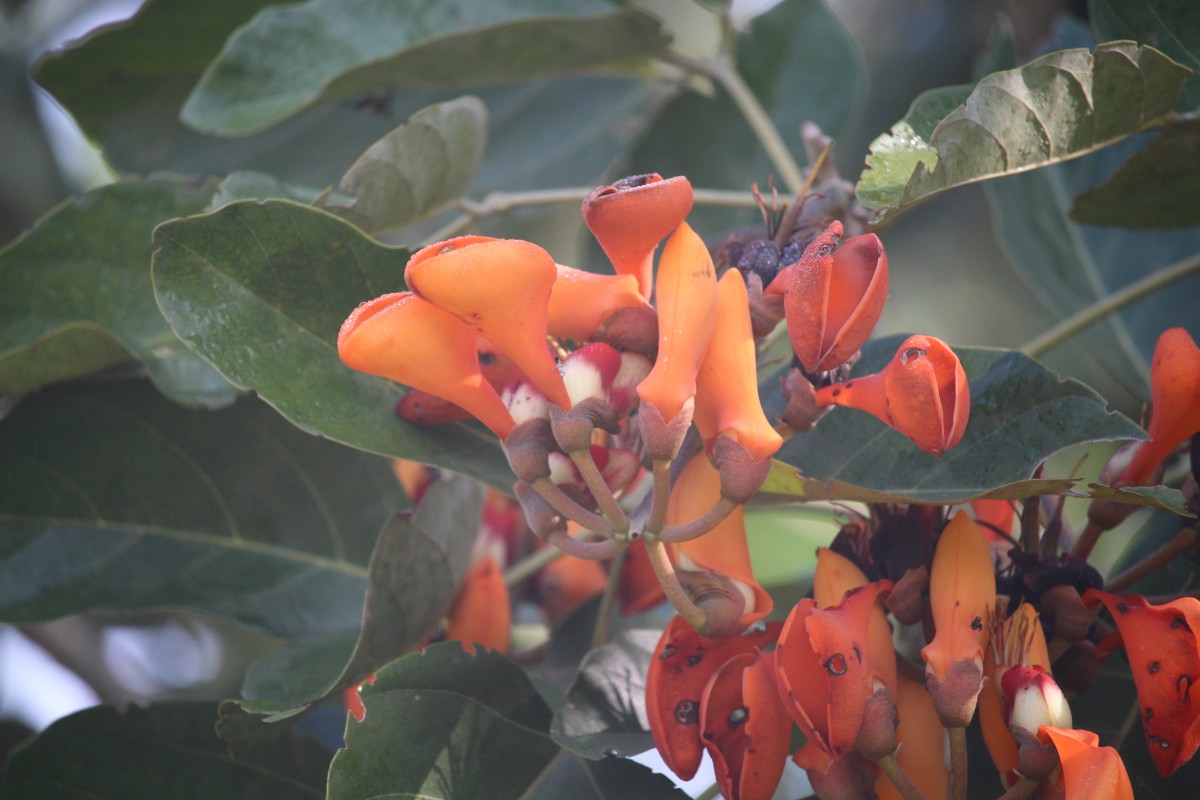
point(741, 475)
point(955, 698)
point(528, 450)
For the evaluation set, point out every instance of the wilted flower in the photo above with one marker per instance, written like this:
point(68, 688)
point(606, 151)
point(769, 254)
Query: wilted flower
point(834, 297)
point(922, 393)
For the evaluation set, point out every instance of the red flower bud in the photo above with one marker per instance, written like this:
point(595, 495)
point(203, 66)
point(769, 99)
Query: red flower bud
point(1175, 404)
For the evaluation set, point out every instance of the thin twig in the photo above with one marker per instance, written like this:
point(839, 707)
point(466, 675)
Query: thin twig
point(1182, 542)
point(900, 779)
point(958, 763)
point(672, 588)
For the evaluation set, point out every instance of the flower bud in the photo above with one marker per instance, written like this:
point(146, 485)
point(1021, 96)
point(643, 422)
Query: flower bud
point(1175, 403)
point(528, 450)
point(1032, 699)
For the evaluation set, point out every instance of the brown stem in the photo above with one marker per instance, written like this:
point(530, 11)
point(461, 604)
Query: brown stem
point(672, 588)
point(659, 499)
point(701, 525)
point(1087, 541)
point(958, 763)
point(604, 611)
point(563, 504)
point(899, 778)
point(609, 506)
point(1184, 540)
point(593, 551)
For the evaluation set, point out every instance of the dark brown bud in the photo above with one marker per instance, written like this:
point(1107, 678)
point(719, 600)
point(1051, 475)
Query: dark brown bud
point(1062, 606)
point(741, 475)
point(850, 777)
point(542, 518)
point(766, 311)
point(906, 601)
point(573, 429)
point(1077, 667)
point(528, 449)
point(955, 698)
point(877, 736)
point(719, 599)
point(802, 410)
point(632, 329)
point(663, 439)
point(1036, 761)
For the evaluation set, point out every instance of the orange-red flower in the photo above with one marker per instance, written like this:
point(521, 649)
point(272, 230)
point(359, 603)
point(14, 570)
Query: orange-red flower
point(501, 288)
point(409, 340)
point(630, 217)
point(833, 297)
point(727, 402)
point(723, 550)
point(922, 393)
point(482, 611)
point(686, 296)
point(429, 409)
point(1089, 772)
point(836, 575)
point(1164, 657)
point(922, 738)
point(1175, 404)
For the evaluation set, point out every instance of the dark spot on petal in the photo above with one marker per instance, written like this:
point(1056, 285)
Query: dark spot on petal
point(1147, 715)
point(858, 653)
point(1122, 608)
point(446, 249)
point(487, 359)
point(836, 664)
point(737, 717)
point(837, 392)
point(1153, 667)
point(687, 712)
point(1184, 686)
point(1178, 622)
point(825, 250)
point(911, 353)
point(669, 651)
point(694, 660)
point(977, 624)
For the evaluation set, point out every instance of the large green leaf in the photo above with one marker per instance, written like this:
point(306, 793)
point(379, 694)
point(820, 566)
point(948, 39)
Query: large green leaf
point(290, 57)
point(1156, 188)
point(421, 167)
point(168, 751)
point(1173, 26)
point(77, 296)
point(1060, 106)
point(112, 497)
point(444, 724)
point(261, 289)
point(1021, 413)
point(800, 63)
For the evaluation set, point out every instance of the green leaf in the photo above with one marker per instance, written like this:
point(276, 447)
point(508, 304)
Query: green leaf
point(167, 751)
point(1172, 26)
point(421, 167)
point(605, 712)
point(1060, 106)
point(800, 63)
point(290, 57)
point(261, 289)
point(1165, 497)
point(251, 185)
point(77, 295)
point(113, 498)
point(1156, 188)
point(416, 569)
point(1021, 413)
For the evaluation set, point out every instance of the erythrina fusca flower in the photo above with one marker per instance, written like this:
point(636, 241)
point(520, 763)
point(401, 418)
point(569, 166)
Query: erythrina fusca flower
point(409, 340)
point(962, 591)
point(1174, 407)
point(630, 217)
point(482, 612)
point(834, 297)
point(727, 402)
point(836, 575)
point(501, 288)
point(1089, 772)
point(1164, 657)
point(580, 301)
point(922, 393)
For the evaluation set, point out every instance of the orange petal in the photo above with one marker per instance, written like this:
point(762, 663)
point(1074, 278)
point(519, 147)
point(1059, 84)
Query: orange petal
point(962, 587)
point(922, 739)
point(411, 341)
point(639, 589)
point(1164, 657)
point(722, 550)
point(501, 288)
point(727, 401)
point(834, 577)
point(579, 301)
point(999, 516)
point(1175, 403)
point(482, 612)
point(928, 396)
point(686, 297)
point(682, 665)
point(630, 217)
point(1089, 772)
point(744, 728)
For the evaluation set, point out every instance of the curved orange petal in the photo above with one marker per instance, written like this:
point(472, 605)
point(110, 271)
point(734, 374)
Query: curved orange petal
point(1164, 657)
point(482, 611)
point(411, 341)
point(1090, 772)
point(501, 288)
point(682, 664)
point(928, 396)
point(630, 217)
point(922, 739)
point(727, 400)
point(686, 297)
point(834, 577)
point(962, 588)
point(579, 301)
point(723, 550)
point(1175, 403)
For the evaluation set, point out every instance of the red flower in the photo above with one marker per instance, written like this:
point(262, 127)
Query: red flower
point(833, 298)
point(630, 217)
point(922, 393)
point(1164, 657)
point(1175, 404)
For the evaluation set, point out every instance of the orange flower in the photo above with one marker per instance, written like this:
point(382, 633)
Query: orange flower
point(1164, 657)
point(834, 577)
point(1175, 404)
point(425, 408)
point(683, 664)
point(727, 402)
point(482, 611)
point(630, 217)
point(501, 288)
point(1089, 772)
point(639, 589)
point(822, 676)
point(922, 393)
point(833, 298)
point(411, 341)
point(568, 582)
point(580, 301)
point(686, 295)
point(922, 738)
point(962, 590)
point(722, 550)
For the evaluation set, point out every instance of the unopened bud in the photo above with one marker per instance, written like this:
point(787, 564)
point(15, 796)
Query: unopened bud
point(955, 698)
point(802, 410)
point(663, 438)
point(1062, 606)
point(877, 736)
point(741, 475)
point(525, 402)
point(1033, 699)
point(766, 311)
point(623, 395)
point(632, 329)
point(573, 429)
point(542, 518)
point(528, 449)
point(907, 598)
point(719, 598)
